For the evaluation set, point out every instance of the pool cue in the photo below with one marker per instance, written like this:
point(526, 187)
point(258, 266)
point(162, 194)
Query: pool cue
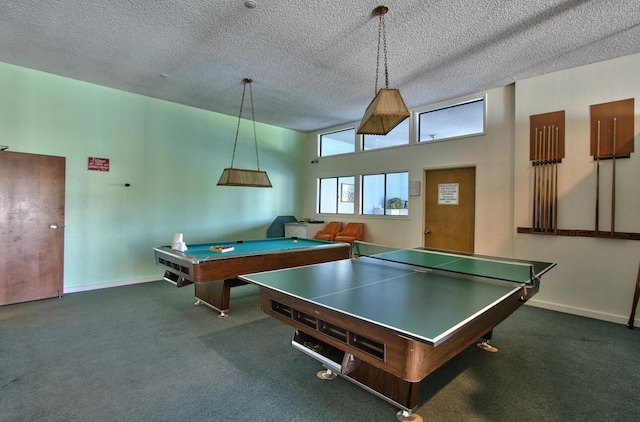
point(538, 179)
point(598, 180)
point(548, 170)
point(535, 177)
point(555, 180)
point(545, 181)
point(541, 181)
point(636, 296)
point(549, 179)
point(613, 181)
point(552, 205)
point(537, 226)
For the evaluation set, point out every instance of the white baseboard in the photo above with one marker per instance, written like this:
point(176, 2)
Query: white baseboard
point(618, 319)
point(120, 283)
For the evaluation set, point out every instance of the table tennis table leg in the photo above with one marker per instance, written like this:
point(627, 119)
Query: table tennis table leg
point(634, 304)
point(485, 345)
point(407, 416)
point(327, 374)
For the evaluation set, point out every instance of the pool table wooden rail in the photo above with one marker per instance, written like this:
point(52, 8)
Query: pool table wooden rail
point(213, 279)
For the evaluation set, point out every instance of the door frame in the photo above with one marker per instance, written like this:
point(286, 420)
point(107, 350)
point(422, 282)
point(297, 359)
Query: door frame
point(32, 199)
point(425, 170)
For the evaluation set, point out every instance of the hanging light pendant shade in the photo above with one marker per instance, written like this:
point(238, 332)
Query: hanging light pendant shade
point(243, 177)
point(387, 110)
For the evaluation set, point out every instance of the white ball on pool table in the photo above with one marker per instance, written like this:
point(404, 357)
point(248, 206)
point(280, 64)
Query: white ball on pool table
point(295, 240)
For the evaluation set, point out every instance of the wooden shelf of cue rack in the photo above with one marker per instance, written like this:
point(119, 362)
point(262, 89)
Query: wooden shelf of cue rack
point(581, 233)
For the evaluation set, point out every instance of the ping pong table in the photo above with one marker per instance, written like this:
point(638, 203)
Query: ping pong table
point(388, 317)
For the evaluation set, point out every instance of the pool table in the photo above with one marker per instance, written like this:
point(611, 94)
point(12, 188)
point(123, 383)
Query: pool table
point(214, 273)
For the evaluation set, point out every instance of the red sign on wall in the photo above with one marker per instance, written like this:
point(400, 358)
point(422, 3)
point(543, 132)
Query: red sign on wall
point(98, 164)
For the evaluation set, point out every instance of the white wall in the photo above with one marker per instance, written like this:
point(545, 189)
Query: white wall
point(595, 277)
point(491, 154)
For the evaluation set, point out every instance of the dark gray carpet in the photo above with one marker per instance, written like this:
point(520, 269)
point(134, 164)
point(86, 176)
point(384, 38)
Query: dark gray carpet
point(145, 353)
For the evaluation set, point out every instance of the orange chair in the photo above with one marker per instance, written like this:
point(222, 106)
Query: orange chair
point(351, 233)
point(329, 232)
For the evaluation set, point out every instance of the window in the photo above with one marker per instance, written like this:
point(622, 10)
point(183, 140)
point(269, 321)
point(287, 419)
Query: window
point(340, 142)
point(452, 122)
point(336, 195)
point(398, 136)
point(385, 194)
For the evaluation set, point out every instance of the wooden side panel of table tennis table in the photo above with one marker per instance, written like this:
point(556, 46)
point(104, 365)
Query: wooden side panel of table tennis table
point(392, 363)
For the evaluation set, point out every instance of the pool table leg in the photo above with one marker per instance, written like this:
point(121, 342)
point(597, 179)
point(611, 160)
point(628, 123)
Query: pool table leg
point(216, 294)
point(223, 314)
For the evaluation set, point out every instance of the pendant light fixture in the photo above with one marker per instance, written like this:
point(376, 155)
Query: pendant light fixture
point(242, 177)
point(387, 109)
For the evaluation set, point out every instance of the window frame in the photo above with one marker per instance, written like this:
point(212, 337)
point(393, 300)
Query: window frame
point(444, 106)
point(338, 130)
point(338, 194)
point(363, 139)
point(385, 210)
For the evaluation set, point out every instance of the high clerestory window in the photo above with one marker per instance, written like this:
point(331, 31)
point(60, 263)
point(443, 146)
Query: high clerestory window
point(338, 142)
point(454, 121)
point(398, 136)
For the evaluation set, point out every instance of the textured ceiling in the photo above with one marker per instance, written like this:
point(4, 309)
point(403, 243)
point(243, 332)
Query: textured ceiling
point(312, 61)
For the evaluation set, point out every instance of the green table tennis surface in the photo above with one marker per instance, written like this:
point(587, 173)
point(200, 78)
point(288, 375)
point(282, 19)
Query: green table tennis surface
point(411, 299)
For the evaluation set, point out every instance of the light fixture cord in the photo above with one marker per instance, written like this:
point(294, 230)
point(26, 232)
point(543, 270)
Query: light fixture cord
point(253, 119)
point(382, 37)
point(233, 156)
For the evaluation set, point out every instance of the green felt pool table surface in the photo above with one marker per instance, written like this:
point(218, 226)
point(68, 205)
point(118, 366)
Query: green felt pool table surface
point(201, 252)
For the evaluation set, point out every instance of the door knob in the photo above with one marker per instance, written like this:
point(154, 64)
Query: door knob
point(427, 231)
point(53, 226)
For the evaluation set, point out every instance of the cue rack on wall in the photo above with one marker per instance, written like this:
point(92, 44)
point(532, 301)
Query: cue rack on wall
point(612, 134)
point(546, 153)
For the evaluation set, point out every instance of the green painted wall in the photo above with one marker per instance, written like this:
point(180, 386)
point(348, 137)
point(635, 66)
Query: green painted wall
point(172, 156)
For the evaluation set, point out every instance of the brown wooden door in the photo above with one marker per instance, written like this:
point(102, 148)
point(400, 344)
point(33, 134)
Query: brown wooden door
point(450, 204)
point(31, 226)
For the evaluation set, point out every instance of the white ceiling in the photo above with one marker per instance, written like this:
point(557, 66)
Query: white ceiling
point(312, 61)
